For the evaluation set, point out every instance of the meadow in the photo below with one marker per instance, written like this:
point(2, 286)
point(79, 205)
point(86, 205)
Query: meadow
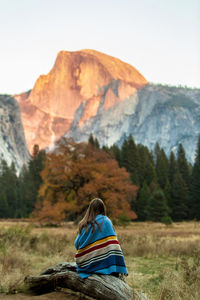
point(163, 261)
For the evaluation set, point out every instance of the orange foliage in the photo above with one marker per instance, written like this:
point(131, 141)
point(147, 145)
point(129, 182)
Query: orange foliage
point(76, 173)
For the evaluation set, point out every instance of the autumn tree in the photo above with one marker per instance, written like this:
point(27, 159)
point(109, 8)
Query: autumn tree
point(76, 173)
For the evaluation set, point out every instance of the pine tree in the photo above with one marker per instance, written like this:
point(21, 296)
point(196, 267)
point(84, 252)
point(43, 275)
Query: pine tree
point(142, 202)
point(150, 173)
point(30, 181)
point(130, 159)
point(162, 166)
point(157, 208)
point(116, 152)
point(173, 167)
point(9, 187)
point(36, 164)
point(179, 209)
point(125, 155)
point(25, 192)
point(167, 192)
point(93, 141)
point(173, 170)
point(183, 165)
point(96, 142)
point(4, 211)
point(195, 186)
point(146, 171)
point(183, 168)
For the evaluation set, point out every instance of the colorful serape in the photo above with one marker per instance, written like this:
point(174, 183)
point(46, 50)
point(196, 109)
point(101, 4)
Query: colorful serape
point(99, 252)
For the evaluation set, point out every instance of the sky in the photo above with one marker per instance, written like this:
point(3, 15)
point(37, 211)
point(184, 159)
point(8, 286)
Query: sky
point(160, 38)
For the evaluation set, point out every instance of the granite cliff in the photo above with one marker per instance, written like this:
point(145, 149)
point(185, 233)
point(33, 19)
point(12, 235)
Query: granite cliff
point(79, 79)
point(90, 92)
point(12, 140)
point(168, 115)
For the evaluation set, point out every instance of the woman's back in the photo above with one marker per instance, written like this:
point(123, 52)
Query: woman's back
point(98, 249)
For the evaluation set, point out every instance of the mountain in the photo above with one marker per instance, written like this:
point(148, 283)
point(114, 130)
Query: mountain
point(84, 78)
point(12, 140)
point(156, 113)
point(91, 92)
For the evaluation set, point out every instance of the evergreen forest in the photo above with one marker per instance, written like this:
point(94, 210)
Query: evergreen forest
point(134, 182)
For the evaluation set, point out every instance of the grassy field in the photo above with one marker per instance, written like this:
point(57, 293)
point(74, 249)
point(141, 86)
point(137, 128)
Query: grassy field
point(163, 261)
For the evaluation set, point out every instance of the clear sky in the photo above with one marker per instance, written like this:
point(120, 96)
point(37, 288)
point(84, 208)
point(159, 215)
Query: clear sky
point(161, 38)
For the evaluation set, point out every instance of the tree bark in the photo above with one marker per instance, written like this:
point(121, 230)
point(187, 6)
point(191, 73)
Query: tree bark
point(104, 287)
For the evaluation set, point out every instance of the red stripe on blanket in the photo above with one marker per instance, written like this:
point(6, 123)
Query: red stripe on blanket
point(97, 247)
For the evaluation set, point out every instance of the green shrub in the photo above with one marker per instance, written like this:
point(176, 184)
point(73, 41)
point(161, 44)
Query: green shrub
point(124, 220)
point(166, 220)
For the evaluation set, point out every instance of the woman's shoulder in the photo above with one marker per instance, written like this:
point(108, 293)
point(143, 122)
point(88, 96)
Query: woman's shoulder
point(103, 218)
point(105, 222)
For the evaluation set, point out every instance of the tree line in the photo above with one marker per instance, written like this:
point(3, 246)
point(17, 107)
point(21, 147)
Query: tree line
point(18, 193)
point(169, 187)
point(132, 180)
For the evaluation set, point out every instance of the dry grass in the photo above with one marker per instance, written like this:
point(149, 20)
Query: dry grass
point(151, 239)
point(163, 261)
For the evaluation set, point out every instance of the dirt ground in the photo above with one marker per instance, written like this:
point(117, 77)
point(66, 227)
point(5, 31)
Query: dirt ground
point(58, 295)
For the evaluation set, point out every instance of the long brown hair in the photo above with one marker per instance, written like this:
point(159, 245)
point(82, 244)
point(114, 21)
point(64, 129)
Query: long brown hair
point(95, 208)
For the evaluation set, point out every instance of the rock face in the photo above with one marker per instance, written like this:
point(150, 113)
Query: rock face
point(156, 113)
point(86, 81)
point(12, 140)
point(90, 92)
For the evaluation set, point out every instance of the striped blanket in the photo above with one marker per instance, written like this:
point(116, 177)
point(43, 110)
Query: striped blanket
point(99, 252)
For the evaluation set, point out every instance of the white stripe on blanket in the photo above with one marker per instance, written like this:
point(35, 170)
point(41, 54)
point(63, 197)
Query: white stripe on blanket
point(98, 252)
point(104, 256)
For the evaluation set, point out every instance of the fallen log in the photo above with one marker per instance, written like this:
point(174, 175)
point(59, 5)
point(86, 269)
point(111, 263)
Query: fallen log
point(64, 275)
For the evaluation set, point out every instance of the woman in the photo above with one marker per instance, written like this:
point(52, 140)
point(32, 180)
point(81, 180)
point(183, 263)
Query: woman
point(98, 250)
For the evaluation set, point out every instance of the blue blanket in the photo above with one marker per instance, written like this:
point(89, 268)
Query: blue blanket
point(99, 251)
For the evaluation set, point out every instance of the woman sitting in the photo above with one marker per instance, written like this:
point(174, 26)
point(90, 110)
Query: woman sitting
point(98, 250)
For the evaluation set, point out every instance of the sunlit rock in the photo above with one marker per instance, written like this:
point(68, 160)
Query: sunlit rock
point(87, 79)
